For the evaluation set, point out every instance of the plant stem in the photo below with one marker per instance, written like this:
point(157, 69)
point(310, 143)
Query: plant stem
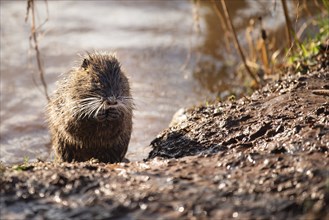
point(36, 47)
point(236, 42)
point(288, 22)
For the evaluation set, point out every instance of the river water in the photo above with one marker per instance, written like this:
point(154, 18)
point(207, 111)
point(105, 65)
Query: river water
point(169, 62)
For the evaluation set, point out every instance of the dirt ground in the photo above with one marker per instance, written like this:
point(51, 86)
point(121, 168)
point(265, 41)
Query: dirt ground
point(261, 157)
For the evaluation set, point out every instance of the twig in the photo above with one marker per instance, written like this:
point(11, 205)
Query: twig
point(288, 22)
point(30, 6)
point(236, 42)
point(324, 92)
point(223, 25)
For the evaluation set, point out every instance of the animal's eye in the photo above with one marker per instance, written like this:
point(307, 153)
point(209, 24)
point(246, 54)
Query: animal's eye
point(85, 63)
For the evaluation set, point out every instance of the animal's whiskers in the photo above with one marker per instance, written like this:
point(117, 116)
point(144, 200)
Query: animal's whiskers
point(86, 107)
point(99, 108)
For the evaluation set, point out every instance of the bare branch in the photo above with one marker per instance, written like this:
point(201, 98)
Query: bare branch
point(30, 7)
point(236, 42)
point(288, 22)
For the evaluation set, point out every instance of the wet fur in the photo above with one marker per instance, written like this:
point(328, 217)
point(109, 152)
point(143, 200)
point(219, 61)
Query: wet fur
point(82, 123)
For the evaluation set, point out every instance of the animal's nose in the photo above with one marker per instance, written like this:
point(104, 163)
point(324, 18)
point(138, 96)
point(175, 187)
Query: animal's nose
point(111, 101)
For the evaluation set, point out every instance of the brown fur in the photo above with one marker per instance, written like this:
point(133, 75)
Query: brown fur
point(90, 114)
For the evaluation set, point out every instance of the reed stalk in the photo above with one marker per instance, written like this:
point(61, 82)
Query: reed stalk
point(236, 41)
point(224, 25)
point(288, 22)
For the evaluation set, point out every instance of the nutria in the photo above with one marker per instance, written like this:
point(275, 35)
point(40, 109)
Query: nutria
point(90, 114)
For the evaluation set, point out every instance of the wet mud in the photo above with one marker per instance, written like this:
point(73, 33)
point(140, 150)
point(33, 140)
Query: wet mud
point(261, 157)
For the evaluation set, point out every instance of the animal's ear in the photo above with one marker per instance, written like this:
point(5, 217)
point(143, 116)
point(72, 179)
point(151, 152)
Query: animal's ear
point(85, 63)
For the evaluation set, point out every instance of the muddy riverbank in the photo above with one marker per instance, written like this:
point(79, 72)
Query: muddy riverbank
point(262, 157)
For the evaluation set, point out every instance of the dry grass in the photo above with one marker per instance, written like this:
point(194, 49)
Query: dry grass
point(264, 56)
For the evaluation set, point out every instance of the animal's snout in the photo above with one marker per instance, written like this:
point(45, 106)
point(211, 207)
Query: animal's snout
point(110, 102)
